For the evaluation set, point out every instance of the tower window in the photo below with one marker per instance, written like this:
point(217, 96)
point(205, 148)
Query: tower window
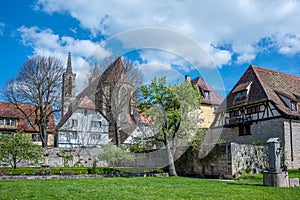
point(244, 130)
point(74, 122)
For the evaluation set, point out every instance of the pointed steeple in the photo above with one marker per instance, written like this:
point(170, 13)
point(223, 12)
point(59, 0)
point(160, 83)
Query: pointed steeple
point(95, 74)
point(68, 87)
point(95, 71)
point(69, 66)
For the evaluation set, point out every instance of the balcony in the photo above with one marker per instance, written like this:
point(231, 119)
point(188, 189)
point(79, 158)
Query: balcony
point(237, 121)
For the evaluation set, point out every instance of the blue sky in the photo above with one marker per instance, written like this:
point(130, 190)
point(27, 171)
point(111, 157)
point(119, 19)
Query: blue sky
point(215, 39)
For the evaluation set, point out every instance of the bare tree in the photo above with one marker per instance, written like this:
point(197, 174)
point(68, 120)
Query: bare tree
point(38, 83)
point(116, 93)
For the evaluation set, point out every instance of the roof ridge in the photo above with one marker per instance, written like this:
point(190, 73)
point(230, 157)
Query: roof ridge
point(274, 71)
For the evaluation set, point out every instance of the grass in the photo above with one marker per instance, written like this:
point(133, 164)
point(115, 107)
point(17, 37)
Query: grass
point(142, 188)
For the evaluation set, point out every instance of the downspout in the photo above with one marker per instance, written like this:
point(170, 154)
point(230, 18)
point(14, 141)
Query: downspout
point(291, 140)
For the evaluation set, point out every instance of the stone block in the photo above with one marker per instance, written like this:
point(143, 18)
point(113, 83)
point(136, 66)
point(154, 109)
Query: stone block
point(294, 182)
point(276, 179)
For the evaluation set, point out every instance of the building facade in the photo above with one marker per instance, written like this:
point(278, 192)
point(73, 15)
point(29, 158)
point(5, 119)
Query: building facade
point(83, 126)
point(110, 95)
point(13, 120)
point(263, 104)
point(210, 101)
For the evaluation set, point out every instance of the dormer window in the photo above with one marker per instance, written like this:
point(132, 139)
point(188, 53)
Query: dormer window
point(294, 106)
point(241, 91)
point(289, 101)
point(241, 95)
point(206, 95)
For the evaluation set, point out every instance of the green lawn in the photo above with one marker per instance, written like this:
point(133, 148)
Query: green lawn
point(142, 188)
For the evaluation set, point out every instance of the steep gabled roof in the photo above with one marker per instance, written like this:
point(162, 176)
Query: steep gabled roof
point(214, 99)
point(267, 85)
point(10, 110)
point(113, 72)
point(85, 103)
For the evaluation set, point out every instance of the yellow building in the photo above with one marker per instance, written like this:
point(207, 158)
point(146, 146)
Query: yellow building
point(211, 100)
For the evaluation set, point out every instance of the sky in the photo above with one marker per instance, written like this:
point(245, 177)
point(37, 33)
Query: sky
point(214, 39)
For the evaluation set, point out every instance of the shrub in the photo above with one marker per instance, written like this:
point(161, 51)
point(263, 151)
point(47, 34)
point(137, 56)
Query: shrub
point(66, 172)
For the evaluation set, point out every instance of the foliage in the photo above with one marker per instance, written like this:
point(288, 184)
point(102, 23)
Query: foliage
point(15, 149)
point(257, 143)
point(112, 154)
point(67, 156)
point(141, 188)
point(43, 172)
point(174, 112)
point(37, 83)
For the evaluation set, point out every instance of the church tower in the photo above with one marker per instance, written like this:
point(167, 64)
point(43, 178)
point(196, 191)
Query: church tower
point(95, 75)
point(68, 87)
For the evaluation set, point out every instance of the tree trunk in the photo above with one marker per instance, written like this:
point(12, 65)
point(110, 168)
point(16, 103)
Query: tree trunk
point(172, 170)
point(117, 135)
point(15, 163)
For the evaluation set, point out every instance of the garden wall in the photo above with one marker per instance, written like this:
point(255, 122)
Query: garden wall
point(223, 161)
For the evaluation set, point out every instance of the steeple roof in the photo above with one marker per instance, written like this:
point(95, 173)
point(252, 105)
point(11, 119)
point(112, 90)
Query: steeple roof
point(69, 65)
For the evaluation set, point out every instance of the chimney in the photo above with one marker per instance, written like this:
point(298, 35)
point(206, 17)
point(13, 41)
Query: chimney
point(188, 78)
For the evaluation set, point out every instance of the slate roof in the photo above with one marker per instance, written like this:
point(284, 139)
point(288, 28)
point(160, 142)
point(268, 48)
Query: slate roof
point(266, 86)
point(9, 110)
point(215, 98)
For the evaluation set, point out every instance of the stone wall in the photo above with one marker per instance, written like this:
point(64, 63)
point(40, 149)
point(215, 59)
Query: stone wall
point(292, 144)
point(262, 130)
point(60, 157)
point(224, 160)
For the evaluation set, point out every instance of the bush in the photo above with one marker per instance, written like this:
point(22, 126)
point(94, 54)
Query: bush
point(42, 172)
point(3, 171)
point(66, 172)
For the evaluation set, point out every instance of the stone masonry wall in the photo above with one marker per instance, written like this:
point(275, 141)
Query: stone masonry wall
point(292, 144)
point(60, 157)
point(224, 160)
point(262, 130)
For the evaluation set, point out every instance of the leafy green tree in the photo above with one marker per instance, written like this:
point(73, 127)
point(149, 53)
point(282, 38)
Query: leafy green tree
point(113, 154)
point(174, 112)
point(20, 147)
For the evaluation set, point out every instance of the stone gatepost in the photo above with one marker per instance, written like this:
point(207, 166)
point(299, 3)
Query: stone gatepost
point(275, 176)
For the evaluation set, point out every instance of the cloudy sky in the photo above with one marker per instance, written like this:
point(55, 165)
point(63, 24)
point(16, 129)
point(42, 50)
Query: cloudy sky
point(215, 39)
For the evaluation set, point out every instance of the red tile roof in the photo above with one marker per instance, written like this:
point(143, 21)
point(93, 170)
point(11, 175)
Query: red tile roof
point(266, 86)
point(214, 99)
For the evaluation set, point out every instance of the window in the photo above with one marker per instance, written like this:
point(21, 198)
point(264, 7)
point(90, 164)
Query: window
point(74, 136)
point(74, 122)
point(252, 110)
point(244, 130)
point(206, 94)
point(85, 112)
point(241, 95)
point(96, 124)
point(1, 121)
point(7, 122)
point(293, 106)
point(13, 122)
point(96, 136)
point(36, 138)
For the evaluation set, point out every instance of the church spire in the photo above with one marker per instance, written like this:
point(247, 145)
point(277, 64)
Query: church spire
point(68, 87)
point(69, 66)
point(95, 74)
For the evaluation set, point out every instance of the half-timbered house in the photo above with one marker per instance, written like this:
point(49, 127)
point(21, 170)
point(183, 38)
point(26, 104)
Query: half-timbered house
point(262, 105)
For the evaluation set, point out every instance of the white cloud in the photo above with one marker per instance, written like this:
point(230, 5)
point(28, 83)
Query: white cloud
point(45, 42)
point(215, 22)
point(157, 69)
